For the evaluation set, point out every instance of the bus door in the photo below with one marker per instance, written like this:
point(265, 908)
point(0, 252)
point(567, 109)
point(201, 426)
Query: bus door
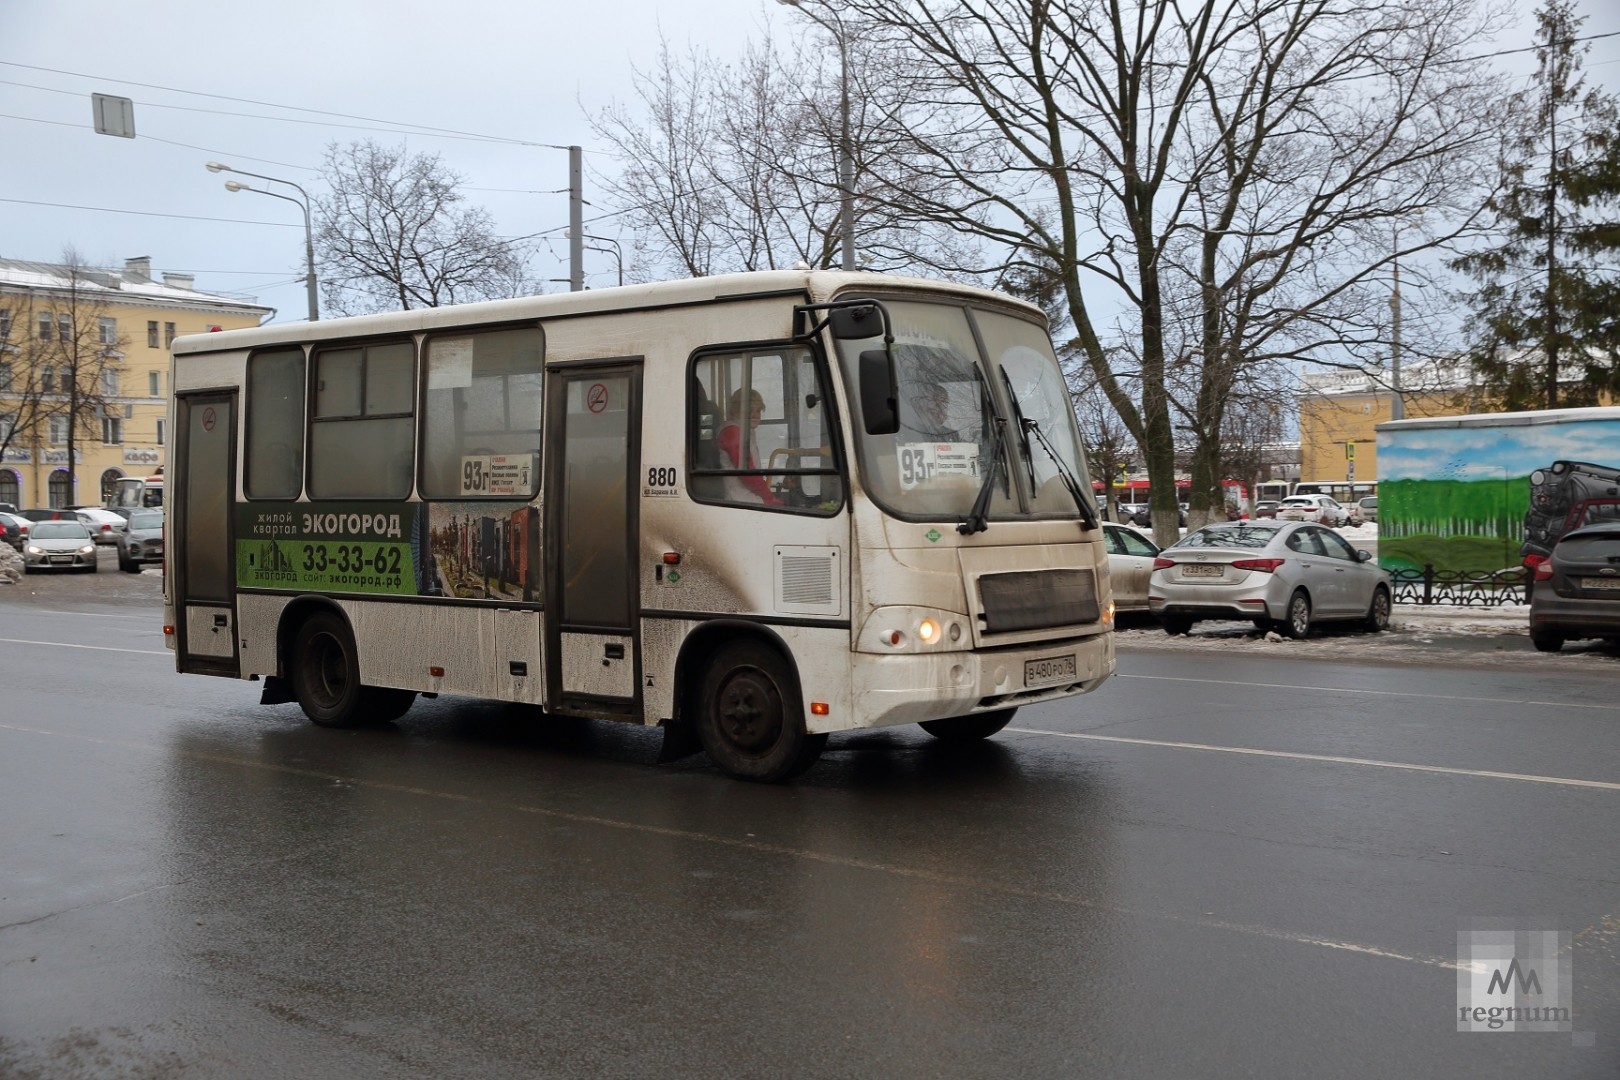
point(592, 593)
point(200, 533)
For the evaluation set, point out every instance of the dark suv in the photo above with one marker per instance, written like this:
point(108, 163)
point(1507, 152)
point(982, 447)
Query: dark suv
point(1577, 589)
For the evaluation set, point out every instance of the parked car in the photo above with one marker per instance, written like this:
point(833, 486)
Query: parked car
point(50, 513)
point(1577, 588)
point(59, 545)
point(1285, 575)
point(14, 529)
point(1322, 509)
point(8, 508)
point(104, 525)
point(1130, 564)
point(1266, 508)
point(1368, 508)
point(142, 543)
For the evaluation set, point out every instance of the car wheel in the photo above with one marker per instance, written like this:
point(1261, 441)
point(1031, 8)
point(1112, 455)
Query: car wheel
point(1378, 612)
point(1298, 623)
point(961, 729)
point(1545, 642)
point(1175, 625)
point(326, 672)
point(129, 566)
point(750, 721)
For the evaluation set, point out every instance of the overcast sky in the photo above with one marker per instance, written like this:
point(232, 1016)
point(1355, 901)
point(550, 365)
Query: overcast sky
point(506, 69)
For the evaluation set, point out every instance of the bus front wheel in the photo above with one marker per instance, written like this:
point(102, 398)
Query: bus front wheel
point(326, 676)
point(750, 720)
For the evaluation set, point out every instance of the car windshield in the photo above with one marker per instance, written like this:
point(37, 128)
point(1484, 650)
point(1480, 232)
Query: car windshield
point(146, 520)
point(1246, 536)
point(952, 392)
point(59, 530)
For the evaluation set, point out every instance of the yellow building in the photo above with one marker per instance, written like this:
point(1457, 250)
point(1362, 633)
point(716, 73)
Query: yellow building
point(1339, 411)
point(112, 327)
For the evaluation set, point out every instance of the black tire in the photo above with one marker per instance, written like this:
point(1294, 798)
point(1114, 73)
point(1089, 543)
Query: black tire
point(128, 565)
point(1378, 611)
point(1298, 622)
point(1545, 642)
point(92, 568)
point(750, 720)
point(1176, 625)
point(962, 729)
point(326, 672)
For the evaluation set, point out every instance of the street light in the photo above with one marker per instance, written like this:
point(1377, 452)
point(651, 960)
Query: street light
point(302, 204)
point(615, 251)
point(846, 167)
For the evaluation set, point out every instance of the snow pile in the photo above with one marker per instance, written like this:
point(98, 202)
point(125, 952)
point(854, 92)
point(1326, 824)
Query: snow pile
point(11, 565)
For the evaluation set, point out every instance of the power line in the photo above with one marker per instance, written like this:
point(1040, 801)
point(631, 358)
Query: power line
point(152, 213)
point(419, 128)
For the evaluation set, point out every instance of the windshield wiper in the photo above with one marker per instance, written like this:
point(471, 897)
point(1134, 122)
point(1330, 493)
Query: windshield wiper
point(978, 518)
point(1027, 425)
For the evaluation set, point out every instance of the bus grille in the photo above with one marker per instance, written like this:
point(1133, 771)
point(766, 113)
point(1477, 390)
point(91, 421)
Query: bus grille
point(1037, 599)
point(807, 581)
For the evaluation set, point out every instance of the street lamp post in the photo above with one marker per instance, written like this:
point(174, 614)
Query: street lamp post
point(302, 204)
point(846, 165)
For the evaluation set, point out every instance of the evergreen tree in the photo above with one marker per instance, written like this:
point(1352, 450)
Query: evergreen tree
point(1545, 331)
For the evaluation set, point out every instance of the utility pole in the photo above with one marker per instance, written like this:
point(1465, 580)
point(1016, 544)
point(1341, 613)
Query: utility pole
point(576, 220)
point(1397, 404)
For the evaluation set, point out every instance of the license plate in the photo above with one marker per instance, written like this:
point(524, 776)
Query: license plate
point(1051, 669)
point(1609, 584)
point(61, 558)
point(1198, 570)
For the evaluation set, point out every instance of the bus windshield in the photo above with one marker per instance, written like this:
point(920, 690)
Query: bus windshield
point(951, 396)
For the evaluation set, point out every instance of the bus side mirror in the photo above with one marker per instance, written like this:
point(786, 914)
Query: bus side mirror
point(855, 323)
point(880, 405)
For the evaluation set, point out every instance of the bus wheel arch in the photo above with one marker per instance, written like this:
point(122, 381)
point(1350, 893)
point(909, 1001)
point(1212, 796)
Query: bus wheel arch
point(322, 668)
point(740, 696)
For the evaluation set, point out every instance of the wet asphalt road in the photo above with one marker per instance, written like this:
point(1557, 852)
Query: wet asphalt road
point(192, 885)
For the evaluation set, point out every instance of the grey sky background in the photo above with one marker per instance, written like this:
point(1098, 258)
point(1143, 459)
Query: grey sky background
point(502, 74)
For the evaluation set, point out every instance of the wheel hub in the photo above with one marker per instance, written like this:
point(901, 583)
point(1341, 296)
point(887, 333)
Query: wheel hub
point(749, 712)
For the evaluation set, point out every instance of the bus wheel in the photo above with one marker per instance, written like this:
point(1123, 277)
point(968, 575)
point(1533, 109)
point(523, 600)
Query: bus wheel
point(384, 704)
point(326, 672)
point(750, 720)
point(961, 729)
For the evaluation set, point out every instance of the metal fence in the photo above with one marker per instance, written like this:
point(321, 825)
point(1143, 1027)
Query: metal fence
point(1466, 587)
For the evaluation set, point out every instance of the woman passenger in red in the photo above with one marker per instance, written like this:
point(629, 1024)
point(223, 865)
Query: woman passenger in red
point(737, 455)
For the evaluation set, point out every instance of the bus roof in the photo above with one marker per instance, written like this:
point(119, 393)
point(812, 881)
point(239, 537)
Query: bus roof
point(819, 285)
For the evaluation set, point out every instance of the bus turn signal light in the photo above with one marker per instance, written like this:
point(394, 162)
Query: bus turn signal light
point(819, 708)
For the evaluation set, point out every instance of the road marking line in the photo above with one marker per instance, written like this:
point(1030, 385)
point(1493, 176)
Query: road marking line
point(95, 648)
point(1370, 693)
point(761, 847)
point(1602, 785)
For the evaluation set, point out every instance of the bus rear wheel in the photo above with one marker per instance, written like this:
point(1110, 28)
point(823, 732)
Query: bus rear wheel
point(326, 678)
point(962, 729)
point(750, 720)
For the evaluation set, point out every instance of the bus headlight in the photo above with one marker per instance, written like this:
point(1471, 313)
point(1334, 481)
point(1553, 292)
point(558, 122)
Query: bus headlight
point(914, 630)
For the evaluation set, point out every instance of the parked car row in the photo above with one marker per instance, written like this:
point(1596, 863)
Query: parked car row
point(54, 539)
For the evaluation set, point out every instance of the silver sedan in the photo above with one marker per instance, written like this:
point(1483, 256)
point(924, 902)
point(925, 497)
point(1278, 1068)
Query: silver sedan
point(59, 545)
point(1283, 574)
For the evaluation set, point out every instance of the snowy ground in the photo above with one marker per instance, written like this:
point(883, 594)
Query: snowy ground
point(1417, 634)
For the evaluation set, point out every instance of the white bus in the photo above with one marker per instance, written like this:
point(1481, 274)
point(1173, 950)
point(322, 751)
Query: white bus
point(720, 505)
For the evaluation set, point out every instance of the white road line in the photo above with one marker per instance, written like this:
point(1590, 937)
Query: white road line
point(1370, 693)
point(1333, 759)
point(94, 648)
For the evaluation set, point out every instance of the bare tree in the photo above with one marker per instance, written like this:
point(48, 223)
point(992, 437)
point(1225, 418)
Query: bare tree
point(391, 234)
point(1228, 173)
point(726, 167)
point(60, 361)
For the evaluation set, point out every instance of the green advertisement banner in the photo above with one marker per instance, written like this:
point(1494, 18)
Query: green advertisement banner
point(327, 547)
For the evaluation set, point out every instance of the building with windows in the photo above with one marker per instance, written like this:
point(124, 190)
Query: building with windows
point(1339, 412)
point(92, 343)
